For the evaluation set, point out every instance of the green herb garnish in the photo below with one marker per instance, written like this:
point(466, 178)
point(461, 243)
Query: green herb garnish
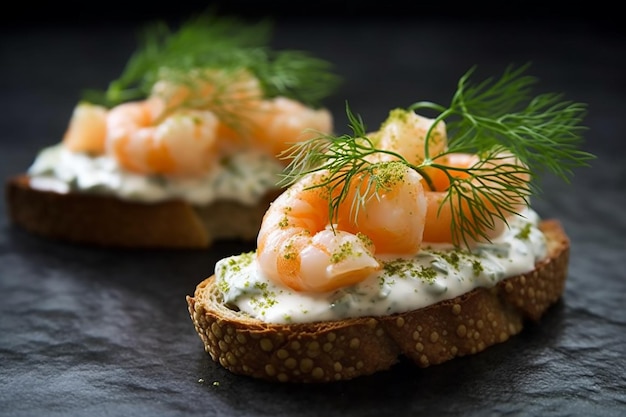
point(489, 119)
point(226, 44)
point(524, 233)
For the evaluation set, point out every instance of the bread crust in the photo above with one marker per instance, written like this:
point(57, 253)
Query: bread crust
point(109, 221)
point(345, 349)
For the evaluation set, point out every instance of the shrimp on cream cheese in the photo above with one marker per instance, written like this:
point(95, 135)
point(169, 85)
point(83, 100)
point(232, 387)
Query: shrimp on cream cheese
point(192, 100)
point(300, 248)
point(163, 135)
point(387, 207)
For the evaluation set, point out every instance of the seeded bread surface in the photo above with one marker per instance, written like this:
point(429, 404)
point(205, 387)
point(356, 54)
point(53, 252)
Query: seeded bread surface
point(345, 349)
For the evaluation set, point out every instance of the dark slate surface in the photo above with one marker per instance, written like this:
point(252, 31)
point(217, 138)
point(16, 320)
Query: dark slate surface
point(87, 331)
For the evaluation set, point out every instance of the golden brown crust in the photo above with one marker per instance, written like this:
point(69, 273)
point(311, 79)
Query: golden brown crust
point(345, 349)
point(108, 221)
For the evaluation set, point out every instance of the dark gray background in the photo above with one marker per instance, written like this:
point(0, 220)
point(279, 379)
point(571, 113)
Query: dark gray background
point(87, 331)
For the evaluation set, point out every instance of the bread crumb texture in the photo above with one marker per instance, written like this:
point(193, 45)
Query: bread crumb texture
point(345, 349)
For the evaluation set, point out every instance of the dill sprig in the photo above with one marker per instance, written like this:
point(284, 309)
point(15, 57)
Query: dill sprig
point(544, 131)
point(516, 137)
point(223, 43)
point(345, 158)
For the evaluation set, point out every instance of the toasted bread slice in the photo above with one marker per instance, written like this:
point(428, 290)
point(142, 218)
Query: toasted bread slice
point(109, 221)
point(345, 349)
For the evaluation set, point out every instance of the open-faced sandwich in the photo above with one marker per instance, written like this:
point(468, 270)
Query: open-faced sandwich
point(417, 239)
point(181, 149)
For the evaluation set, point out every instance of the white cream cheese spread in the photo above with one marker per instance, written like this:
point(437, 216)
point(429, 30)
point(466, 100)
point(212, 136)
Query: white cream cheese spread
point(244, 177)
point(438, 272)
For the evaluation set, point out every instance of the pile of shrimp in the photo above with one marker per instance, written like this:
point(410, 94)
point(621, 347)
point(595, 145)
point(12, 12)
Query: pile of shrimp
point(166, 135)
point(299, 248)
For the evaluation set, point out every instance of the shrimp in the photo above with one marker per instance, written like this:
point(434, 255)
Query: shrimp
point(395, 217)
point(245, 118)
point(404, 132)
point(183, 143)
point(298, 248)
point(276, 124)
point(86, 131)
point(440, 215)
point(184, 126)
point(280, 122)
